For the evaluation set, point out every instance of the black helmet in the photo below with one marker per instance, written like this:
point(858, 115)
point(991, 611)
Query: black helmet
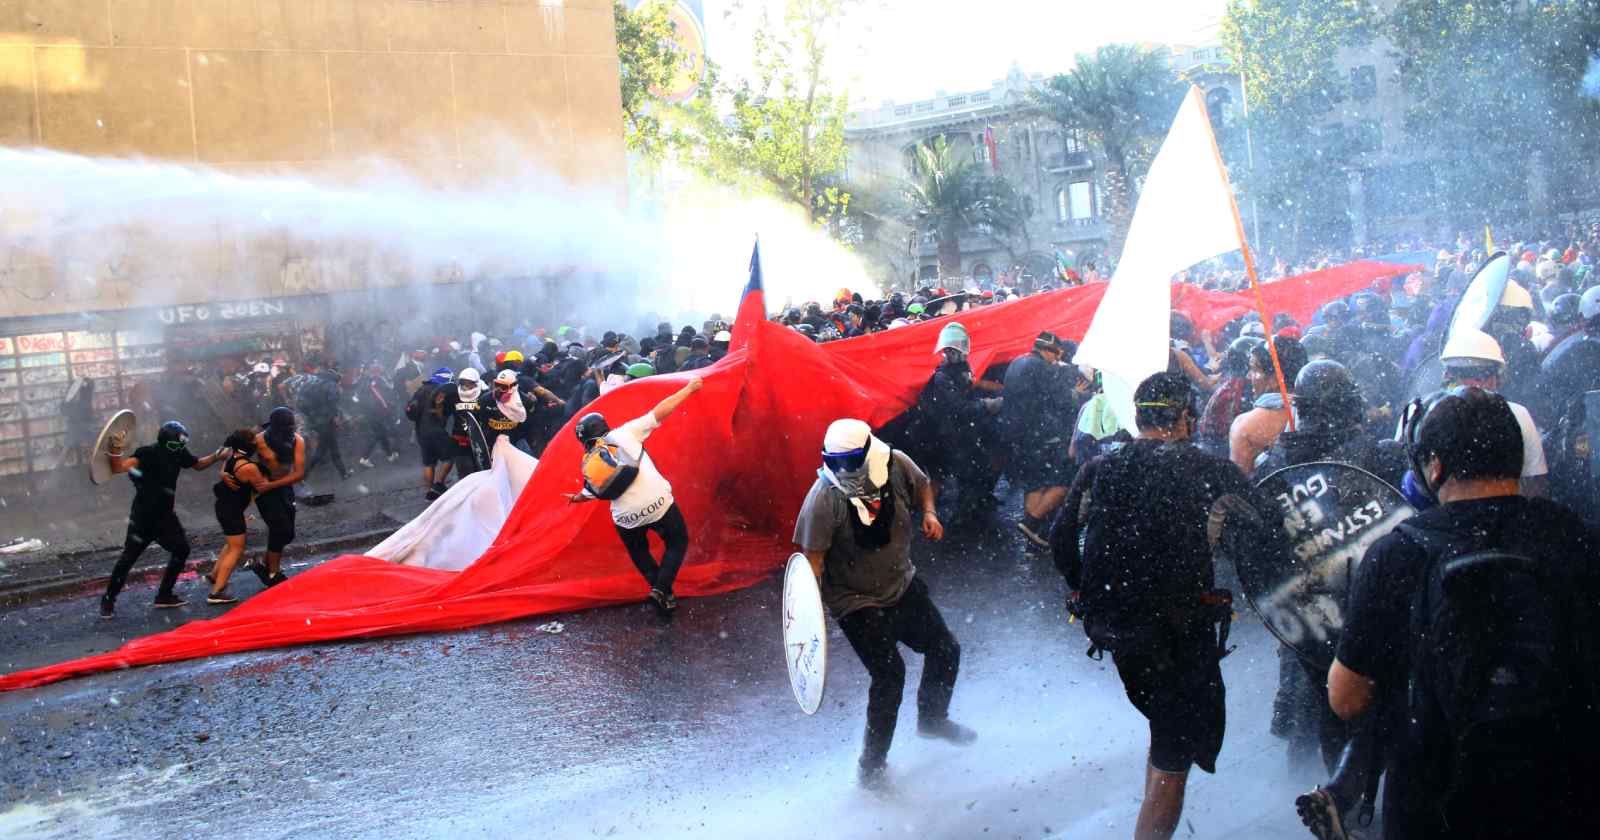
point(1374, 309)
point(1335, 312)
point(1326, 397)
point(1471, 431)
point(173, 432)
point(1236, 361)
point(1565, 311)
point(591, 427)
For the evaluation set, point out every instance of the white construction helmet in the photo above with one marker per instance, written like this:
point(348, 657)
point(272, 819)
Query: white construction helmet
point(1589, 304)
point(1471, 347)
point(1515, 296)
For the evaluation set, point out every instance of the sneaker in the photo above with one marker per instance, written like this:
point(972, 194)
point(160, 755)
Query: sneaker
point(277, 579)
point(663, 602)
point(393, 456)
point(1030, 528)
point(169, 601)
point(221, 598)
point(366, 462)
point(1319, 811)
point(108, 608)
point(433, 493)
point(344, 475)
point(873, 774)
point(260, 572)
point(946, 729)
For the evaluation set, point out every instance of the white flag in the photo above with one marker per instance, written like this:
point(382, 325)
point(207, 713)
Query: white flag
point(1185, 215)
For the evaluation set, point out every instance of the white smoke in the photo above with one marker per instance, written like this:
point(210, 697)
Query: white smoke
point(140, 223)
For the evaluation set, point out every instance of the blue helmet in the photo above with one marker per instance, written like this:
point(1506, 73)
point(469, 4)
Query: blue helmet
point(173, 435)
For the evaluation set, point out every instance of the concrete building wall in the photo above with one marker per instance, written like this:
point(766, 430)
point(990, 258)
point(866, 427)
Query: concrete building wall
point(440, 87)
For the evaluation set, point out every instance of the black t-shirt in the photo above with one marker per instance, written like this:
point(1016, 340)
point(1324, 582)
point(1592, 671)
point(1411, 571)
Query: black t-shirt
point(155, 480)
point(1376, 642)
point(1143, 511)
point(1039, 406)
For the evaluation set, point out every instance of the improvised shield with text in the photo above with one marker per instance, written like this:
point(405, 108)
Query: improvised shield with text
point(805, 634)
point(1330, 514)
point(478, 443)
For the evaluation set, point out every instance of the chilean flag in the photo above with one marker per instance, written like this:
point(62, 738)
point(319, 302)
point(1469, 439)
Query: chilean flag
point(994, 148)
point(752, 306)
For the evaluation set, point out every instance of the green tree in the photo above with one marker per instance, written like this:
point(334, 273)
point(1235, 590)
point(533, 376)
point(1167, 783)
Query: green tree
point(950, 195)
point(649, 58)
point(782, 129)
point(1122, 99)
point(1497, 86)
point(1286, 50)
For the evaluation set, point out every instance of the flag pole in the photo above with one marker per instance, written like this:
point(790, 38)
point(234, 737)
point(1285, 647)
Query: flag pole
point(1249, 260)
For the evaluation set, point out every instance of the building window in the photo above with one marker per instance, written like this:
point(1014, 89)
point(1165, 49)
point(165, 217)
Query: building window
point(903, 111)
point(980, 97)
point(1075, 143)
point(1079, 204)
point(980, 152)
point(1062, 210)
point(1368, 136)
point(1363, 82)
point(982, 273)
point(956, 102)
point(923, 106)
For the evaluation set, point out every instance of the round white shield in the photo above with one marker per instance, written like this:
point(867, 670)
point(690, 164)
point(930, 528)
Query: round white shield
point(99, 461)
point(805, 634)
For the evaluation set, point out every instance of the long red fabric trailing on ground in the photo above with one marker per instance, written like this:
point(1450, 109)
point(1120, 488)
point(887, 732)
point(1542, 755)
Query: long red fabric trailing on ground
point(740, 455)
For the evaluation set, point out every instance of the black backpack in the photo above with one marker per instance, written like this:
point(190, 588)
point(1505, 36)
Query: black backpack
point(1500, 702)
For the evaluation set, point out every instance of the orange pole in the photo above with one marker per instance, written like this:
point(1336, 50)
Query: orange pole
point(1249, 260)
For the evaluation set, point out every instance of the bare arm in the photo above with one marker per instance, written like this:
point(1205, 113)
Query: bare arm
point(119, 463)
point(670, 404)
point(250, 474)
point(931, 527)
point(1535, 486)
point(1349, 693)
point(203, 463)
point(295, 474)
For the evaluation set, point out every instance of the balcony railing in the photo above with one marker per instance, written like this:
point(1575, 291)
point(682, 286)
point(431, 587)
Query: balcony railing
point(1067, 161)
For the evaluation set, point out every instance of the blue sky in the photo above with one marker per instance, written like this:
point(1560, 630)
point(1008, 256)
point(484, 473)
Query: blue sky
point(906, 49)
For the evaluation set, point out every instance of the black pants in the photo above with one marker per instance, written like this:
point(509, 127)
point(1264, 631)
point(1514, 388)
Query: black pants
point(874, 633)
point(277, 509)
point(380, 436)
point(165, 531)
point(674, 532)
point(327, 447)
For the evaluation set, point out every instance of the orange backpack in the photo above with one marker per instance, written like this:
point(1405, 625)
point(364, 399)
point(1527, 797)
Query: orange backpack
point(607, 470)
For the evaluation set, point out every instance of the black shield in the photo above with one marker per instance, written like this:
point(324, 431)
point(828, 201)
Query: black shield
point(1591, 424)
point(477, 442)
point(1298, 579)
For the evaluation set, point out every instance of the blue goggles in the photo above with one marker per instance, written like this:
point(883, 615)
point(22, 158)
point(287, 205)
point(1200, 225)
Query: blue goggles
point(845, 462)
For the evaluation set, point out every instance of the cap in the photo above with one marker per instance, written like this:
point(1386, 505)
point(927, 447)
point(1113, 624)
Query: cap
point(261, 367)
point(723, 336)
point(506, 377)
point(469, 375)
point(1047, 341)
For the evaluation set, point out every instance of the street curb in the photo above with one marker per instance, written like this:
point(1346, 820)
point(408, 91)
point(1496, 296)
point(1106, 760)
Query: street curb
point(65, 584)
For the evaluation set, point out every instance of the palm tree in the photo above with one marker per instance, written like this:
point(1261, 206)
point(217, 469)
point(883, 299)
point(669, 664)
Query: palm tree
point(951, 194)
point(1122, 98)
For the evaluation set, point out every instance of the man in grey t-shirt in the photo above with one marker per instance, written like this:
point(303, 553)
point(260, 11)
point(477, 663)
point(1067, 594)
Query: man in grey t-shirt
point(856, 529)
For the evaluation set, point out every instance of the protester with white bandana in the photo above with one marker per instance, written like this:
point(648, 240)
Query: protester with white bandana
point(856, 528)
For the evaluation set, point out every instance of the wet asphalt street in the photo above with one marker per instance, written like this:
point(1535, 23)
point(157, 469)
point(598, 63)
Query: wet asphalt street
point(615, 726)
